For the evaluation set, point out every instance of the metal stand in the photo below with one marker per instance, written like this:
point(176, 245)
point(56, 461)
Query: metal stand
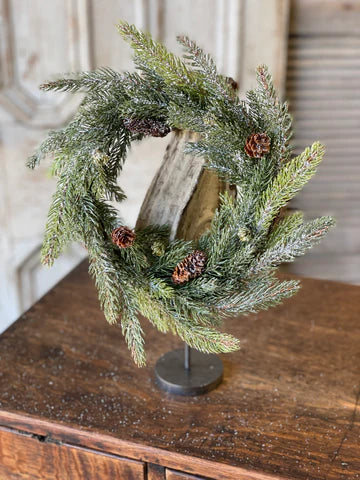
point(188, 372)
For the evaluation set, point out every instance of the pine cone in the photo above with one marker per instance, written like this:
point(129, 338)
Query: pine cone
point(233, 83)
point(191, 267)
point(257, 145)
point(123, 237)
point(147, 126)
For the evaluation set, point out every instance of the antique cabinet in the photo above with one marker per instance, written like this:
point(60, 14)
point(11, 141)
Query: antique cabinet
point(73, 405)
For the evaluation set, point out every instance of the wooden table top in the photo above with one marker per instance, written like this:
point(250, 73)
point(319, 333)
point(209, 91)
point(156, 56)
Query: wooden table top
point(287, 408)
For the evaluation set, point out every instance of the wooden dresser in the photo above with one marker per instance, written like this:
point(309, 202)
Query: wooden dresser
point(73, 406)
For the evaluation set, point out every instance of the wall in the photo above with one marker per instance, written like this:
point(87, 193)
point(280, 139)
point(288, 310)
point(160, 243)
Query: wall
point(323, 90)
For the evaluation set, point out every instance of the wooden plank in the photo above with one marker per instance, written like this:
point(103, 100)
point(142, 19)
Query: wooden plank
point(85, 439)
point(324, 98)
point(182, 194)
point(264, 41)
point(155, 472)
point(347, 266)
point(172, 186)
point(173, 475)
point(37, 458)
point(324, 16)
point(286, 402)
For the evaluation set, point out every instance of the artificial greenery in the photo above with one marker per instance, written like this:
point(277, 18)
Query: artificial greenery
point(248, 238)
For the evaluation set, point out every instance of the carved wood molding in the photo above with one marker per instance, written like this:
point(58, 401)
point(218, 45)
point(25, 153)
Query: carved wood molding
point(33, 280)
point(19, 93)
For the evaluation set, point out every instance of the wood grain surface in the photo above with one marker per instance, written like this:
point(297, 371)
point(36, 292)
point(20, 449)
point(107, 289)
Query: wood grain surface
point(155, 472)
point(173, 475)
point(26, 458)
point(173, 185)
point(182, 194)
point(287, 408)
point(322, 87)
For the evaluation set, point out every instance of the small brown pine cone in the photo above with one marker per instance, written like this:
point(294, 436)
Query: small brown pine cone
point(257, 145)
point(233, 83)
point(147, 126)
point(191, 267)
point(123, 237)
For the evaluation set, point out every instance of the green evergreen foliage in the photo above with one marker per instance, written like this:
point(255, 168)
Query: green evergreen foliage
point(247, 239)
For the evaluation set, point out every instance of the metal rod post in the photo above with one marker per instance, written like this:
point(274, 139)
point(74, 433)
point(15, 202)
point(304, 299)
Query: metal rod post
point(186, 371)
point(187, 357)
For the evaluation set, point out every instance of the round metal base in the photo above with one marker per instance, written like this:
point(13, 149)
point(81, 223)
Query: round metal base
point(205, 373)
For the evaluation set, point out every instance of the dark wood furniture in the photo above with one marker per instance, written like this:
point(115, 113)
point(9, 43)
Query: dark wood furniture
point(73, 406)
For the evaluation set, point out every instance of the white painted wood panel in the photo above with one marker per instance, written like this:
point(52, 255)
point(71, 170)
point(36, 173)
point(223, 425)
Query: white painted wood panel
point(323, 89)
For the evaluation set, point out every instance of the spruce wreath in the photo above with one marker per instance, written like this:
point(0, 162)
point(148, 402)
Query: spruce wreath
point(180, 286)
